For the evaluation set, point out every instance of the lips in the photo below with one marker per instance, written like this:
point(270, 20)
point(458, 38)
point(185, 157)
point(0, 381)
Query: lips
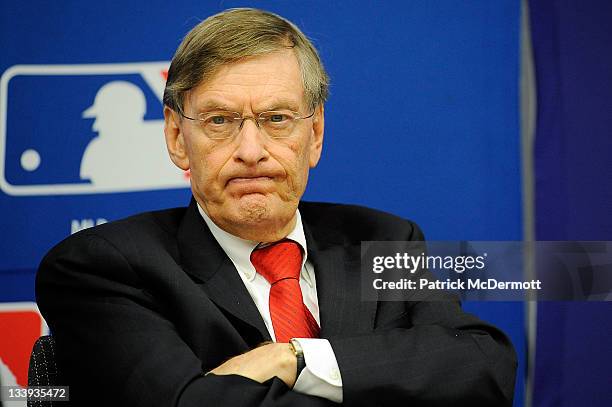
point(243, 180)
point(251, 185)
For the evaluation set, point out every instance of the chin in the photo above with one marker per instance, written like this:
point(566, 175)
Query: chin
point(263, 211)
point(254, 209)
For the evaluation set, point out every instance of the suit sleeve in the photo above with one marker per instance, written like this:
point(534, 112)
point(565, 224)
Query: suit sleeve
point(428, 353)
point(435, 357)
point(116, 346)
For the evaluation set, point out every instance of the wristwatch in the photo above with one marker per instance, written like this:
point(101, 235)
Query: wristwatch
point(297, 350)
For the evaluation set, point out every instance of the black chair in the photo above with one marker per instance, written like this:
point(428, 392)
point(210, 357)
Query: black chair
point(43, 369)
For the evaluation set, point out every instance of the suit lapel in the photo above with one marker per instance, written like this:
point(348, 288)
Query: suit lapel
point(205, 260)
point(338, 276)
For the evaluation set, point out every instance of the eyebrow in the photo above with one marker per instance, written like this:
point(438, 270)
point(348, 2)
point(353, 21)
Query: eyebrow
point(213, 105)
point(283, 104)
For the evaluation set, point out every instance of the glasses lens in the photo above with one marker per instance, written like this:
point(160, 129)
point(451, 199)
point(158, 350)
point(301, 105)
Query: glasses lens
point(278, 124)
point(219, 125)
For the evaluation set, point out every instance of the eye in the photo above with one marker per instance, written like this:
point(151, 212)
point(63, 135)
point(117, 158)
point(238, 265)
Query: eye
point(277, 118)
point(218, 120)
point(215, 120)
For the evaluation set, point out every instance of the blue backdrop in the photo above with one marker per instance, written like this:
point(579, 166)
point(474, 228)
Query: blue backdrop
point(422, 120)
point(573, 189)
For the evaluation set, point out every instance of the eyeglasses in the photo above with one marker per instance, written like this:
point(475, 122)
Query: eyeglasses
point(220, 125)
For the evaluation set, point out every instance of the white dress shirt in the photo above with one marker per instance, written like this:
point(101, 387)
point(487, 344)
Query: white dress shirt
point(321, 376)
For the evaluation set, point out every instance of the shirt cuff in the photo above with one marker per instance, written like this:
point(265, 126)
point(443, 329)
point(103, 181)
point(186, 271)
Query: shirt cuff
point(321, 376)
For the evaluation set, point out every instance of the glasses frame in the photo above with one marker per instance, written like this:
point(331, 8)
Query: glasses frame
point(256, 119)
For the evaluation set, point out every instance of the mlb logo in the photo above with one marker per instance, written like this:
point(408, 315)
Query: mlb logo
point(20, 325)
point(84, 129)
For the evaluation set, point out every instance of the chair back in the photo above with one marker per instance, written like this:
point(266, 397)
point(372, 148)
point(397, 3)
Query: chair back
point(43, 369)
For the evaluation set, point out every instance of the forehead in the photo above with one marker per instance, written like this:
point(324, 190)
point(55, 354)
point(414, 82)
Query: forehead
point(260, 82)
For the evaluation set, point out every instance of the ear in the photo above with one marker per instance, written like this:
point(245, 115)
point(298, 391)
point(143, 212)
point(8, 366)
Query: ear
point(175, 141)
point(318, 128)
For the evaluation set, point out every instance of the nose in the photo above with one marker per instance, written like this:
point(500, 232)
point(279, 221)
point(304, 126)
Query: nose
point(251, 147)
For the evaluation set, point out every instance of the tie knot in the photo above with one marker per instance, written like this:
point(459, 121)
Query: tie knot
point(278, 261)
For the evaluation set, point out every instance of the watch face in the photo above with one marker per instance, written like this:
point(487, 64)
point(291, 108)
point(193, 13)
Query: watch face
point(296, 347)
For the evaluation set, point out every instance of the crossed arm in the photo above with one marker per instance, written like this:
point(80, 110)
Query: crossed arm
point(469, 363)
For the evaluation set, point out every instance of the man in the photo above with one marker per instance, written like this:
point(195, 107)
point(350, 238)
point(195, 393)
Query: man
point(190, 306)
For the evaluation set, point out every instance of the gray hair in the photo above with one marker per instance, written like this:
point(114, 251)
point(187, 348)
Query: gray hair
point(234, 34)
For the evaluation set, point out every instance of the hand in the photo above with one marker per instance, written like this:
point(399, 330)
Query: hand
point(263, 363)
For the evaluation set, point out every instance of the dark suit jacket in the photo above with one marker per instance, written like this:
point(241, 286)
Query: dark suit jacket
point(141, 307)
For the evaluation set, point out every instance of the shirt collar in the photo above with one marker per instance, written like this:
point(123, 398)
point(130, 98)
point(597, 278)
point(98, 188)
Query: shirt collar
point(239, 250)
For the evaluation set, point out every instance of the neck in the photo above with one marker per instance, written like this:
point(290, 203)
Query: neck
point(265, 232)
point(260, 230)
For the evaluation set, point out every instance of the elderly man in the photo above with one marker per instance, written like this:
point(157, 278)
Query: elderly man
point(249, 297)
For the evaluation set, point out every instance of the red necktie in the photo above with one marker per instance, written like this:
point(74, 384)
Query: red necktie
point(280, 264)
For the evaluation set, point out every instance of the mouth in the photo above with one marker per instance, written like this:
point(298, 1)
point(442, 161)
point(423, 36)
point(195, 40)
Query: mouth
point(246, 185)
point(247, 180)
